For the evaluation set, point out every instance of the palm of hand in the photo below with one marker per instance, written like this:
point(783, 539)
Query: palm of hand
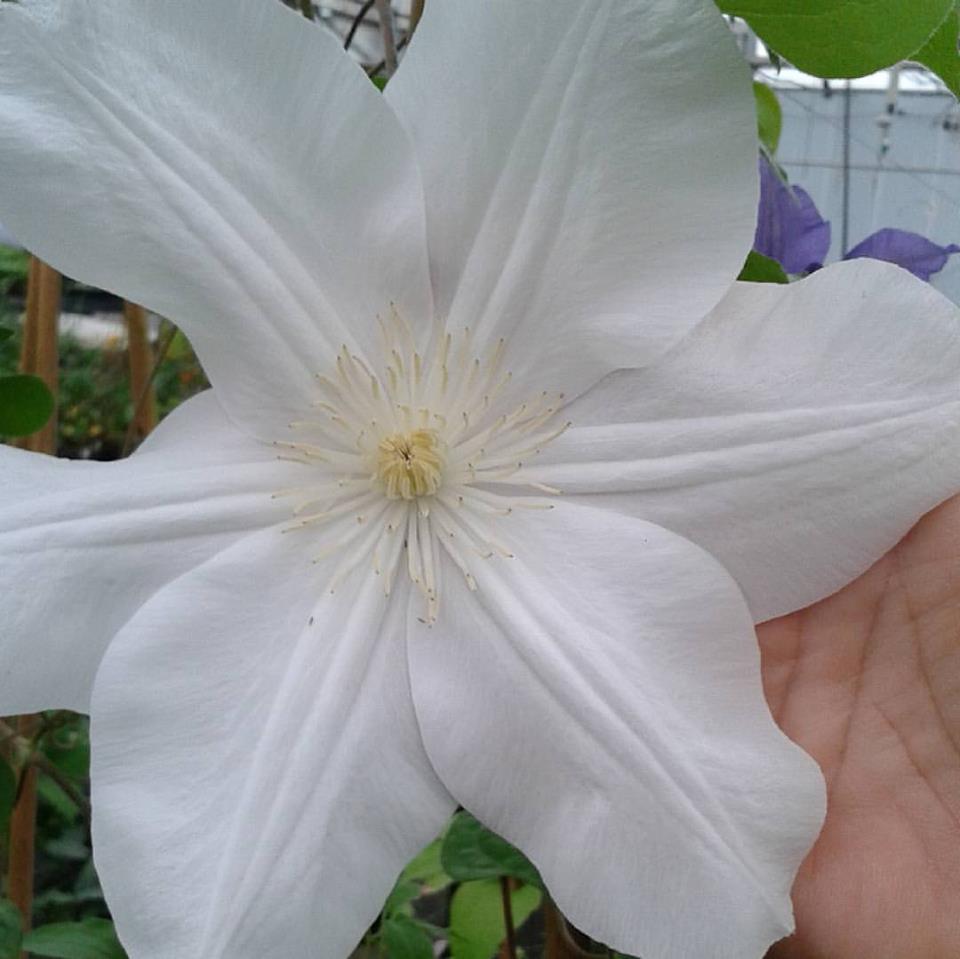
point(868, 681)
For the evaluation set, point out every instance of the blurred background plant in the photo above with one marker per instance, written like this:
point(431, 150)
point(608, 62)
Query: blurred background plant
point(96, 405)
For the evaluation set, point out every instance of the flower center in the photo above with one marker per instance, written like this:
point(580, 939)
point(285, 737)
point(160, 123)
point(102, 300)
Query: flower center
point(419, 459)
point(410, 464)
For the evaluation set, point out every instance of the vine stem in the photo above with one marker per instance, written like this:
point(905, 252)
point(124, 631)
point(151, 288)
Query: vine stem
point(163, 347)
point(23, 829)
point(558, 943)
point(26, 746)
point(40, 356)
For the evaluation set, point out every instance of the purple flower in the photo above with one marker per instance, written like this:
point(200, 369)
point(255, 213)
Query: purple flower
point(790, 229)
point(913, 252)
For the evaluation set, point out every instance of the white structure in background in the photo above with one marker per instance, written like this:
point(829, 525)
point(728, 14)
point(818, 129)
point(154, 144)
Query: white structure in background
point(359, 17)
point(881, 151)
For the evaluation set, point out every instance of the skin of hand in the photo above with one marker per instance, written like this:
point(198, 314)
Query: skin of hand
point(868, 682)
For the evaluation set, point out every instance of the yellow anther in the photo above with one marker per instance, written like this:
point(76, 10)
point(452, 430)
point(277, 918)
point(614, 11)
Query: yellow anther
point(410, 465)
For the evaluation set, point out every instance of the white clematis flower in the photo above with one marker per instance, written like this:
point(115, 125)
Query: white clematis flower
point(510, 275)
point(7, 238)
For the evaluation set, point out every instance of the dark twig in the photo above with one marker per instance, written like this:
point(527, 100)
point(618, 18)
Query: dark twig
point(378, 68)
point(357, 23)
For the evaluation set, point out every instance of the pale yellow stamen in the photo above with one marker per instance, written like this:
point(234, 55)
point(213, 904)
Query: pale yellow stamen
point(419, 461)
point(410, 465)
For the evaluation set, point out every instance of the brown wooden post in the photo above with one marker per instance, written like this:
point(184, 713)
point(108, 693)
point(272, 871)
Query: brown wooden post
point(416, 12)
point(141, 370)
point(40, 355)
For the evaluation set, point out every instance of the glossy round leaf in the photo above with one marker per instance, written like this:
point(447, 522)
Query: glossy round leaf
point(471, 851)
point(25, 404)
point(842, 38)
point(940, 52)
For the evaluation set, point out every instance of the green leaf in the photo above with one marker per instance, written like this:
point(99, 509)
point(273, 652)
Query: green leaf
point(940, 52)
point(476, 917)
point(405, 938)
point(10, 930)
point(761, 269)
point(428, 869)
point(14, 267)
point(68, 748)
point(379, 82)
point(769, 116)
point(52, 795)
point(8, 795)
point(471, 851)
point(5, 333)
point(25, 404)
point(842, 38)
point(179, 348)
point(90, 939)
point(404, 892)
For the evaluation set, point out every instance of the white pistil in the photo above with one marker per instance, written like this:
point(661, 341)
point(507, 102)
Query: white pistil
point(400, 452)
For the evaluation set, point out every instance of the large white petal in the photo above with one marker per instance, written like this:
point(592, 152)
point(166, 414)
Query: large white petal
point(590, 173)
point(222, 162)
point(84, 544)
point(7, 238)
point(797, 434)
point(598, 703)
point(258, 775)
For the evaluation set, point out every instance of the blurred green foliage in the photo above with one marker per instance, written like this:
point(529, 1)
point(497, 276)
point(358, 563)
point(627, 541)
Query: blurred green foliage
point(95, 404)
point(13, 271)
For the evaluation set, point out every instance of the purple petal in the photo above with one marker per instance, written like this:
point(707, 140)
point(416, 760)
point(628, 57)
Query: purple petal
point(790, 229)
point(913, 252)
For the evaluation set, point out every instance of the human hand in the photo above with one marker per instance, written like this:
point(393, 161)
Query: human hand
point(868, 681)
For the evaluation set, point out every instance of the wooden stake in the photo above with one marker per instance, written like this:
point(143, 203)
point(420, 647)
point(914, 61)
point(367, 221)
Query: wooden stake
point(416, 12)
point(40, 355)
point(28, 344)
point(23, 828)
point(140, 357)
